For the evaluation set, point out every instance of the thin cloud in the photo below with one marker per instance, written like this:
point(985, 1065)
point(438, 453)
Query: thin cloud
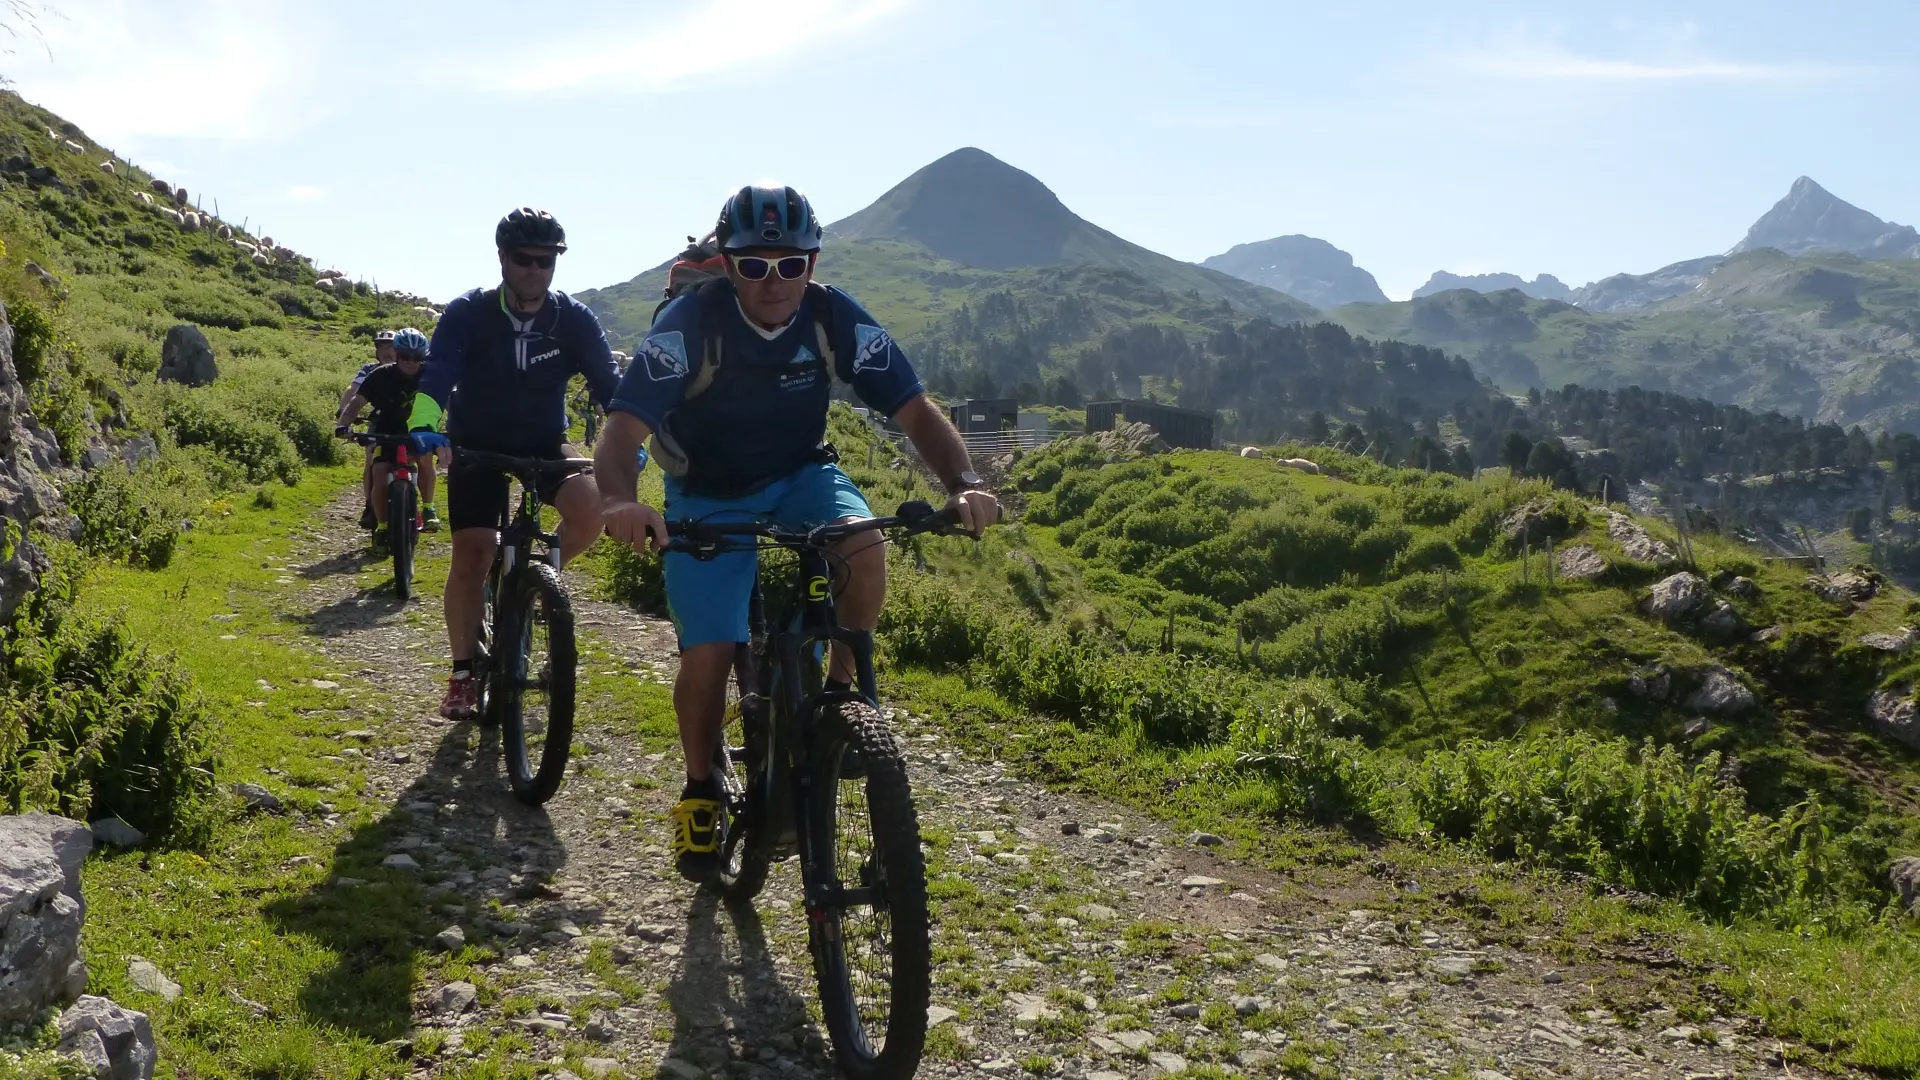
point(306, 193)
point(662, 57)
point(1672, 55)
point(216, 69)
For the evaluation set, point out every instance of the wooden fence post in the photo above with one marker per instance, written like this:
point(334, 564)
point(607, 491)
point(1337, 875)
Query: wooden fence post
point(1526, 557)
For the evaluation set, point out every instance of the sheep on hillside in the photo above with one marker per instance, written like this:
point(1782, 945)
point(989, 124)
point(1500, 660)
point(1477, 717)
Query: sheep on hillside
point(161, 187)
point(73, 147)
point(107, 167)
point(1299, 463)
point(143, 197)
point(260, 259)
point(1251, 451)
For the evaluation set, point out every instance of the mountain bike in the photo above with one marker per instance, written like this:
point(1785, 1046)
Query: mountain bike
point(591, 416)
point(527, 655)
point(403, 505)
point(819, 774)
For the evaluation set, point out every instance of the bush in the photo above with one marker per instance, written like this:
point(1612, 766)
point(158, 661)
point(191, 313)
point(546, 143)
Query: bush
point(93, 724)
point(258, 448)
point(1645, 819)
point(132, 516)
point(33, 339)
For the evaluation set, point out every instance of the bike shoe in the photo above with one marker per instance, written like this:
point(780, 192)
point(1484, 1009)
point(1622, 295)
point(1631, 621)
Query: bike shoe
point(696, 838)
point(429, 519)
point(379, 544)
point(367, 520)
point(463, 698)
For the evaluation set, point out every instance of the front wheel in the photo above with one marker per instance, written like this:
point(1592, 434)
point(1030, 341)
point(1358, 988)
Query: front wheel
point(867, 898)
point(403, 533)
point(746, 851)
point(533, 681)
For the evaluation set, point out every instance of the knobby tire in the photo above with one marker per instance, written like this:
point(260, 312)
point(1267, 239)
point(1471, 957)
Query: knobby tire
point(402, 535)
point(894, 867)
point(534, 589)
point(746, 853)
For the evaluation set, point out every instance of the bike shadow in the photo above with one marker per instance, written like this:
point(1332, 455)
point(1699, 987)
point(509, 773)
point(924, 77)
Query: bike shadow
point(360, 610)
point(716, 992)
point(347, 562)
point(377, 920)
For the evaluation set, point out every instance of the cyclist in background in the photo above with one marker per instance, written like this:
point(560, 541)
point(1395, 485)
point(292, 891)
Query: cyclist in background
point(390, 389)
point(382, 354)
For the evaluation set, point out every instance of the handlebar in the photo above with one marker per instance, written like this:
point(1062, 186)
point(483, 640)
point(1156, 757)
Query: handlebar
point(522, 466)
point(371, 438)
point(706, 539)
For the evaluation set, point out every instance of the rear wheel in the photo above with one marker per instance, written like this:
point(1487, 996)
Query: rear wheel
point(533, 688)
point(403, 533)
point(739, 763)
point(869, 933)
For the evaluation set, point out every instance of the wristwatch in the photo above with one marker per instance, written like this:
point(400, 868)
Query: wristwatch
point(967, 481)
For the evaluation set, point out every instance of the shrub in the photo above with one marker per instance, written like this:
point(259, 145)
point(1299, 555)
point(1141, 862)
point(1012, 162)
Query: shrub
point(1641, 818)
point(258, 448)
point(33, 339)
point(93, 724)
point(133, 516)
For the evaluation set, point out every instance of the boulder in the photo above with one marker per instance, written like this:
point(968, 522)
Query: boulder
point(1743, 587)
point(1889, 643)
point(1893, 714)
point(1581, 562)
point(1651, 684)
point(1636, 542)
point(1905, 875)
point(94, 1025)
point(1720, 692)
point(1676, 597)
point(1856, 585)
point(1723, 620)
point(27, 495)
point(187, 357)
point(39, 918)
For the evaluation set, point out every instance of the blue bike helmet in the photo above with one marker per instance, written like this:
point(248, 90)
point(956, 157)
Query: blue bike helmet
point(410, 341)
point(768, 217)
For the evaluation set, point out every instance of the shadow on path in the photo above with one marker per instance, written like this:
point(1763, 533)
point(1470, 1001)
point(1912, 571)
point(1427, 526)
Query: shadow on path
point(360, 610)
point(728, 1006)
point(377, 918)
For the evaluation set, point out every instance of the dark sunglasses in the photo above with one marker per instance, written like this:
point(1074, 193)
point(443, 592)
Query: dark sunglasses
point(755, 268)
point(522, 259)
point(410, 358)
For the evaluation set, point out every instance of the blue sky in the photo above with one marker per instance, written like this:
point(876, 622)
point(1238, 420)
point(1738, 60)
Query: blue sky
point(385, 139)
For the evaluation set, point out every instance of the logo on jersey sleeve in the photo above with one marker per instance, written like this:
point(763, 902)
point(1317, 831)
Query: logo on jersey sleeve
point(872, 348)
point(665, 355)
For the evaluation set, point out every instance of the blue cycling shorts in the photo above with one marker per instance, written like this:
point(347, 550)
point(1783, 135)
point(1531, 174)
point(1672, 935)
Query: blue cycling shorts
point(709, 599)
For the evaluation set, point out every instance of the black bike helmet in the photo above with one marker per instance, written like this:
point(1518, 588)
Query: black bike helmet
point(768, 217)
point(527, 227)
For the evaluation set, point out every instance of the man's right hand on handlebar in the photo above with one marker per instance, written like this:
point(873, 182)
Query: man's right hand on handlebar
point(636, 525)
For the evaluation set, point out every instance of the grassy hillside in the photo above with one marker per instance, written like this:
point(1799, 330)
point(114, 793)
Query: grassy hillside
point(1382, 650)
point(1829, 337)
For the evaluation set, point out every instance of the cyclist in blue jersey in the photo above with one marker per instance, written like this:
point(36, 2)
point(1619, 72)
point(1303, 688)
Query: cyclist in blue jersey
point(733, 383)
point(498, 368)
point(382, 354)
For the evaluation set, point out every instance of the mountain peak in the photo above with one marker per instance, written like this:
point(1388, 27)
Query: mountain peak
point(1812, 219)
point(972, 208)
point(1543, 287)
point(1305, 267)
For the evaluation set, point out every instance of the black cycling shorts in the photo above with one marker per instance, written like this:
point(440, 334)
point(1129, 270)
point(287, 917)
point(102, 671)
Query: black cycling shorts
point(477, 497)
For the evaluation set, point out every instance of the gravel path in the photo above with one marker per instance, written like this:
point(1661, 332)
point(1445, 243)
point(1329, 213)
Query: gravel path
point(1073, 939)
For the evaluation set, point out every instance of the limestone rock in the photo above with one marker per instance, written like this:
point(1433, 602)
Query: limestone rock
point(116, 833)
point(1720, 692)
point(1652, 684)
point(1856, 585)
point(39, 920)
point(1634, 539)
point(1889, 643)
point(1723, 620)
point(125, 1036)
point(145, 975)
point(1676, 597)
point(257, 798)
point(1581, 562)
point(1894, 715)
point(187, 357)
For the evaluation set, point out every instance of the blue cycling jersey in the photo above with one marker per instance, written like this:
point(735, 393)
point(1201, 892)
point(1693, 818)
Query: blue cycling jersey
point(502, 376)
point(765, 413)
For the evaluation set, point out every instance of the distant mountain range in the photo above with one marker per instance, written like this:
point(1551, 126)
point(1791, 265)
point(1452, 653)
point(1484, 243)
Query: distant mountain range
point(1303, 267)
point(996, 285)
point(1544, 287)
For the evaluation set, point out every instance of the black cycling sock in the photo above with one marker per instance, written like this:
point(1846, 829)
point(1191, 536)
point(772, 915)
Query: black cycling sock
point(462, 667)
point(701, 789)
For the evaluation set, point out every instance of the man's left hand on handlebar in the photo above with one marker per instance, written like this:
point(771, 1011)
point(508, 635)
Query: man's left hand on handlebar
point(977, 510)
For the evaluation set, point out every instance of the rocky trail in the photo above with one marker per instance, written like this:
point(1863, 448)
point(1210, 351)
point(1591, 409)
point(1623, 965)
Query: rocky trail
point(1072, 938)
